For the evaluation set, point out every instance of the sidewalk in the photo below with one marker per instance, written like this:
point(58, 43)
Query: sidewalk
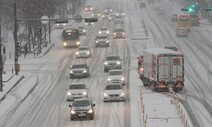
point(10, 80)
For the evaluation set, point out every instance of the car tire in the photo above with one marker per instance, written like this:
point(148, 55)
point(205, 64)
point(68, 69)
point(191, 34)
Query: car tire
point(71, 76)
point(105, 70)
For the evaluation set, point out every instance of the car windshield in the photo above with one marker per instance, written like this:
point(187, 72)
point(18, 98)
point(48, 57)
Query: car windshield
point(113, 87)
point(112, 58)
point(79, 66)
point(82, 103)
point(77, 86)
point(115, 73)
point(103, 29)
point(118, 30)
point(101, 37)
point(81, 27)
point(83, 48)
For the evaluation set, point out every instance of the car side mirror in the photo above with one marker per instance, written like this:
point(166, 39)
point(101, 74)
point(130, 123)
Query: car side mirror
point(93, 105)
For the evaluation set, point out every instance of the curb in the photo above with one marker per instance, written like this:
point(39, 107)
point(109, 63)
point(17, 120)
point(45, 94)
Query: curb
point(8, 79)
point(4, 96)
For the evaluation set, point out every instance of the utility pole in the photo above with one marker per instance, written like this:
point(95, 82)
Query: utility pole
point(1, 63)
point(17, 66)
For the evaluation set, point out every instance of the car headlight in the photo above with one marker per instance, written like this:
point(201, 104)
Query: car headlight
point(73, 112)
point(77, 53)
point(92, 23)
point(114, 33)
point(106, 63)
point(84, 93)
point(88, 53)
point(109, 79)
point(84, 71)
point(108, 32)
point(107, 41)
point(68, 93)
point(64, 43)
point(58, 24)
point(122, 78)
point(83, 30)
point(97, 41)
point(92, 14)
point(64, 24)
point(123, 33)
point(90, 111)
point(118, 62)
point(105, 95)
point(78, 42)
point(122, 94)
point(100, 32)
point(71, 71)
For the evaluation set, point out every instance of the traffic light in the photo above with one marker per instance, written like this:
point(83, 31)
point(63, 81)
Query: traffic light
point(18, 46)
point(190, 9)
point(91, 19)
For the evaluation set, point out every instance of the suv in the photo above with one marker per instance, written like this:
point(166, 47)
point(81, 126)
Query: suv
point(79, 70)
point(82, 108)
point(112, 62)
point(83, 51)
point(77, 90)
point(82, 30)
point(104, 30)
point(116, 76)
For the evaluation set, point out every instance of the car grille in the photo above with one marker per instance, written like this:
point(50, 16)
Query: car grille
point(112, 63)
point(114, 95)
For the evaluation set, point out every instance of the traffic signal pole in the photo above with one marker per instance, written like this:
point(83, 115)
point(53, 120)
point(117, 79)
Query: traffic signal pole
point(1, 63)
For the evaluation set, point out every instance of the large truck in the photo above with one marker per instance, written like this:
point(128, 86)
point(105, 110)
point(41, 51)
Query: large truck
point(163, 69)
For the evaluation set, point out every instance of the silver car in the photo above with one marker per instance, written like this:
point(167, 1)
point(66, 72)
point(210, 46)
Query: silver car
point(83, 51)
point(113, 92)
point(116, 76)
point(76, 90)
point(79, 71)
point(102, 40)
point(112, 62)
point(182, 32)
point(104, 31)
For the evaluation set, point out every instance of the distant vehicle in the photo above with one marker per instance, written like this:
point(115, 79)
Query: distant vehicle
point(82, 30)
point(79, 71)
point(163, 69)
point(114, 92)
point(195, 18)
point(112, 62)
point(142, 4)
point(77, 90)
point(120, 13)
point(96, 13)
point(102, 40)
point(89, 23)
point(104, 30)
point(111, 16)
point(173, 48)
point(182, 32)
point(83, 51)
point(174, 17)
point(118, 18)
point(184, 21)
point(61, 23)
point(160, 12)
point(70, 37)
point(82, 109)
point(88, 8)
point(116, 76)
point(105, 15)
point(108, 10)
point(118, 31)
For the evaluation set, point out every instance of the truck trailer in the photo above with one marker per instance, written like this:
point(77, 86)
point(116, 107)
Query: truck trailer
point(163, 69)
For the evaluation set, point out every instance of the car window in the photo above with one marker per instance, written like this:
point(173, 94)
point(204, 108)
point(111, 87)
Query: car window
point(77, 86)
point(112, 58)
point(115, 73)
point(83, 48)
point(103, 29)
point(82, 103)
point(112, 87)
point(101, 37)
point(79, 66)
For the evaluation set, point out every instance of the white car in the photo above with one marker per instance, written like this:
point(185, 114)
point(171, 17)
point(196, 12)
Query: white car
point(79, 71)
point(112, 62)
point(83, 51)
point(102, 40)
point(77, 90)
point(104, 31)
point(113, 92)
point(120, 13)
point(116, 76)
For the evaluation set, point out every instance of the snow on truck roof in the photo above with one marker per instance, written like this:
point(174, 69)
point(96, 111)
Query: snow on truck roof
point(158, 51)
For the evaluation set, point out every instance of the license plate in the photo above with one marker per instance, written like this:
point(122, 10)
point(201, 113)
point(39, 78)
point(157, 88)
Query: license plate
point(81, 114)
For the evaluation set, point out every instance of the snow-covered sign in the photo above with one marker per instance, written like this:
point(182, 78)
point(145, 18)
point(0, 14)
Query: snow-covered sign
point(44, 19)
